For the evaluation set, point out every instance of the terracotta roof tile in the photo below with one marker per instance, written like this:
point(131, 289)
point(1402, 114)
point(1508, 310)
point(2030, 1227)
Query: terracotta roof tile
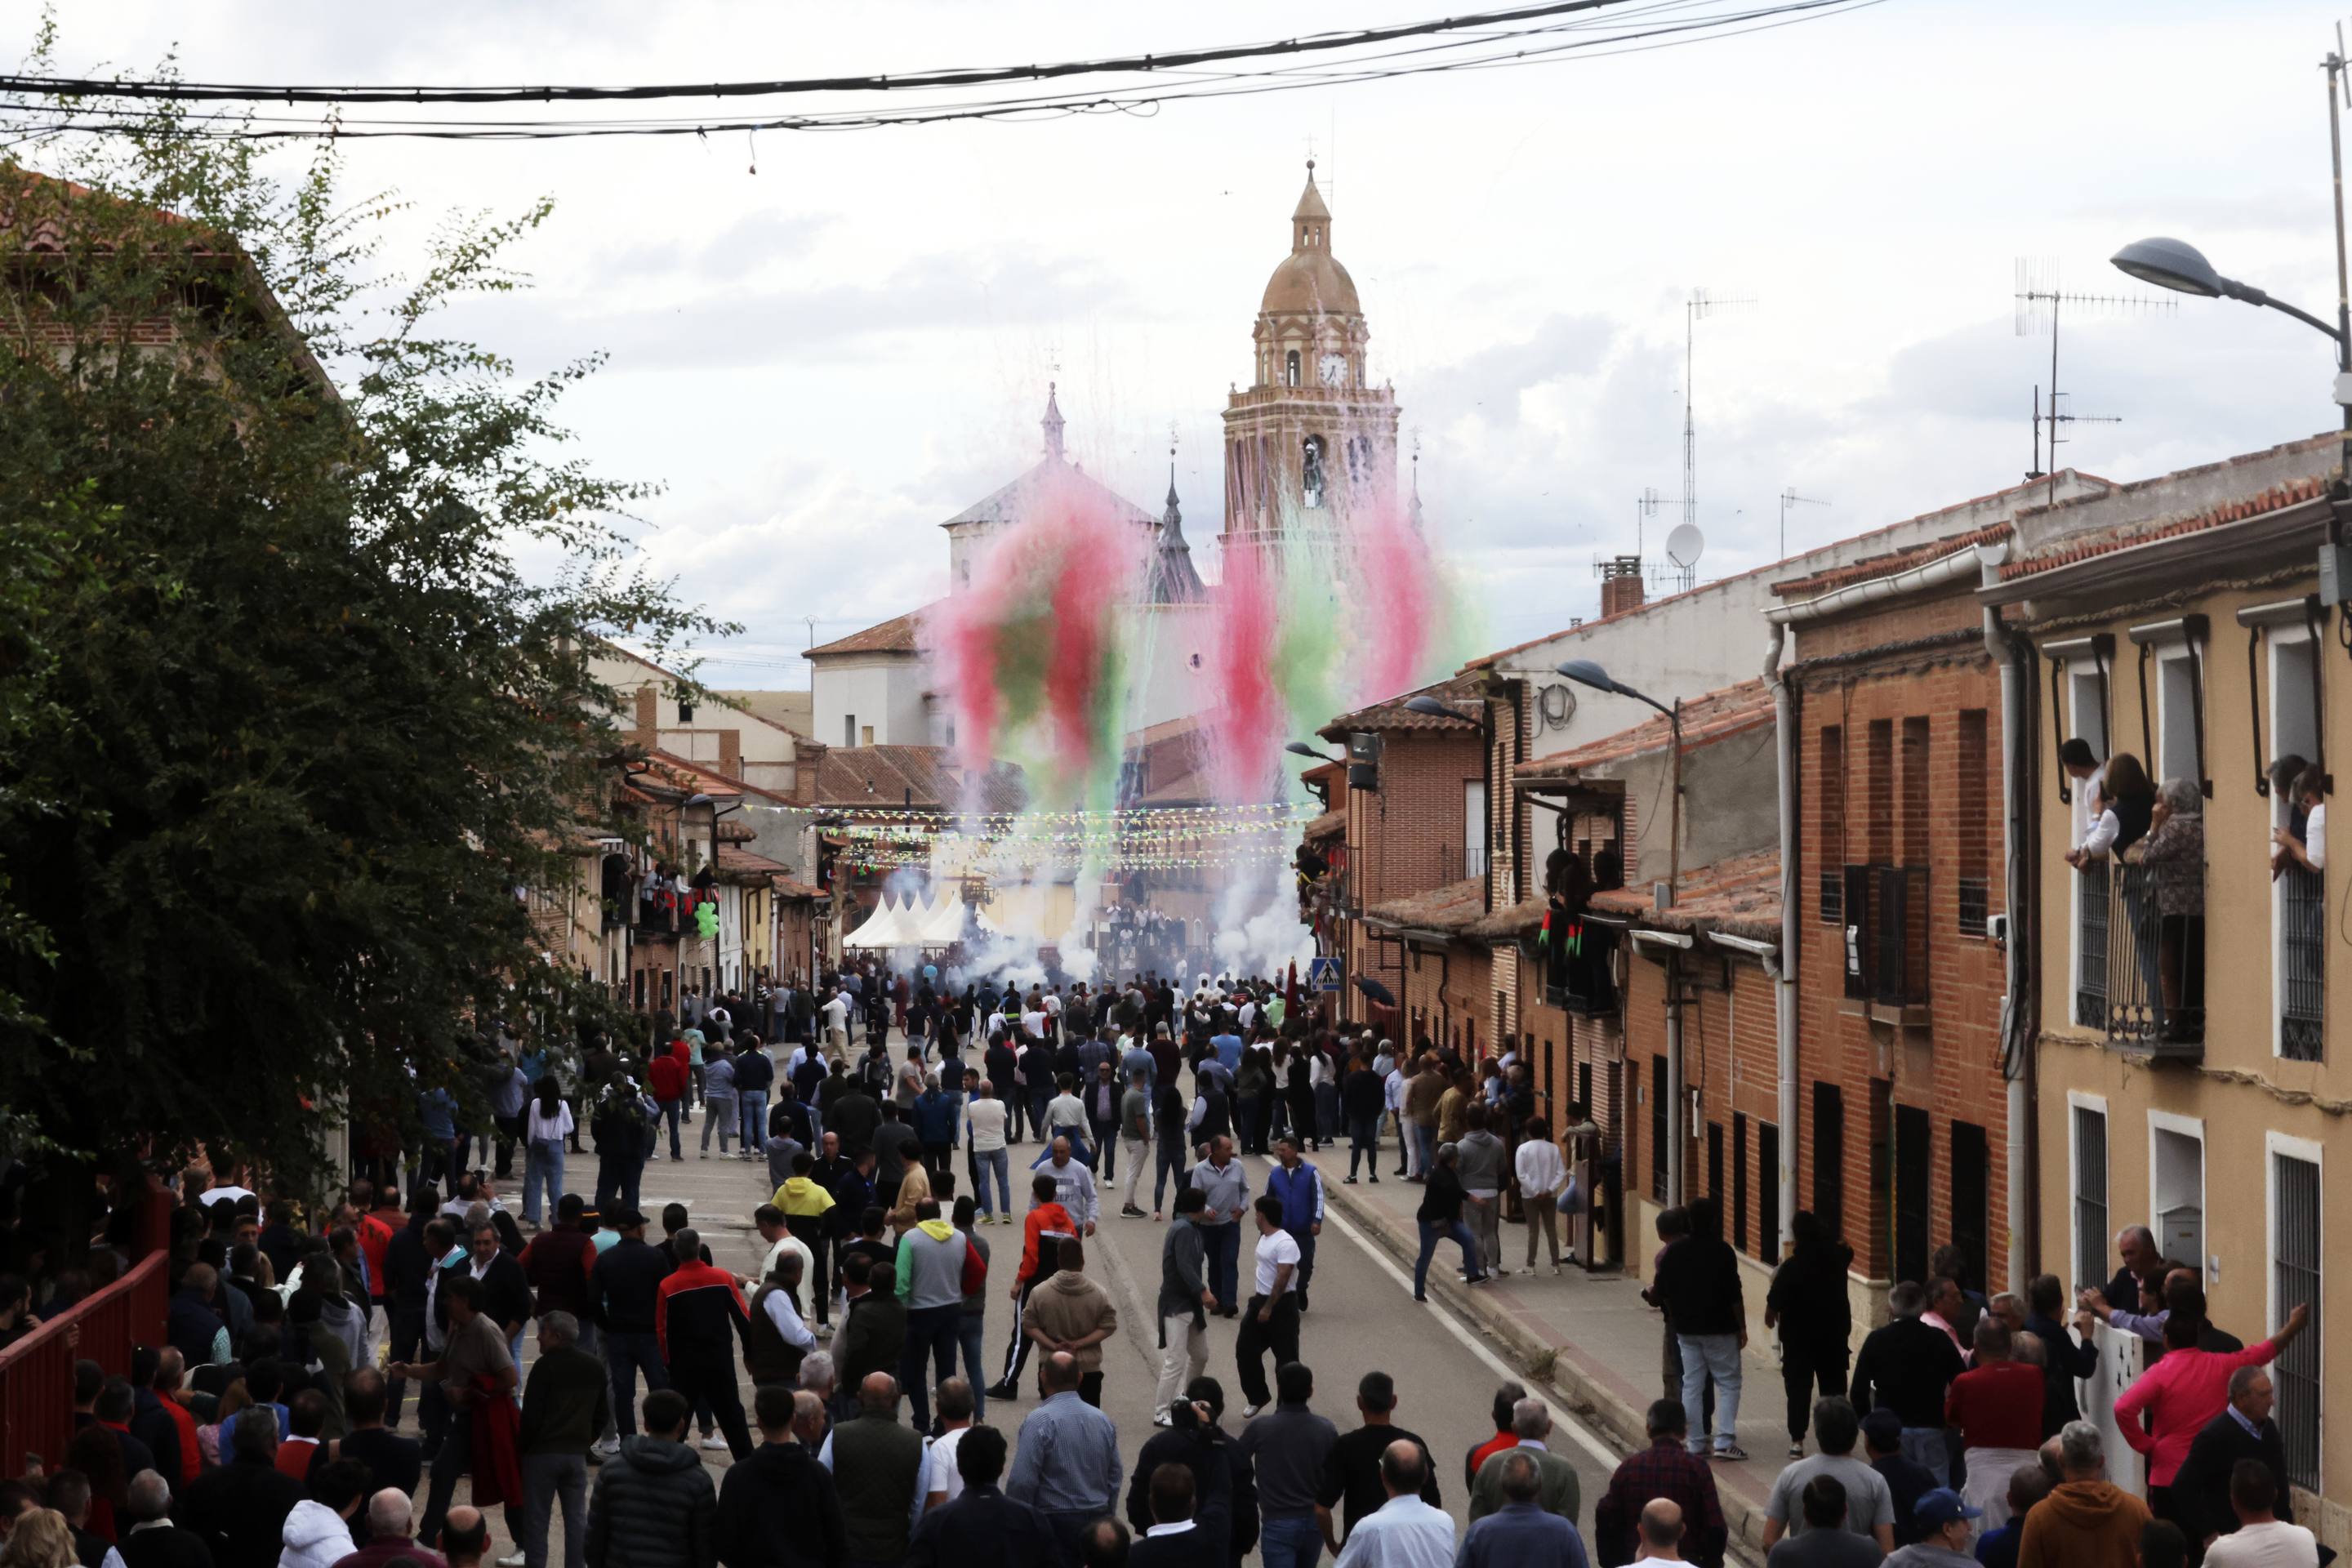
point(1451, 908)
point(1894, 561)
point(927, 778)
point(744, 861)
point(1717, 716)
point(2291, 492)
point(1739, 895)
point(1459, 693)
point(900, 634)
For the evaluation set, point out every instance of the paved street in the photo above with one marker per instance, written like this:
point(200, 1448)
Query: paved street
point(1362, 1318)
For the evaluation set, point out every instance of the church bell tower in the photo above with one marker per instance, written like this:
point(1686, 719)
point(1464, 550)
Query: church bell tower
point(1311, 434)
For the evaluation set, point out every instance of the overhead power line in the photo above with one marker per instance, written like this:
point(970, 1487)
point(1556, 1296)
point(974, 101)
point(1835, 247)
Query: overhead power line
point(1597, 27)
point(955, 76)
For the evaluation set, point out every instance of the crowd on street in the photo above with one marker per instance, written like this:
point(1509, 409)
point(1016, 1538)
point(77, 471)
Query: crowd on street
point(931, 1157)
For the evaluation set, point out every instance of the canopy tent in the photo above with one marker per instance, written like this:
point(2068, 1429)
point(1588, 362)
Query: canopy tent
point(942, 922)
point(887, 928)
point(924, 923)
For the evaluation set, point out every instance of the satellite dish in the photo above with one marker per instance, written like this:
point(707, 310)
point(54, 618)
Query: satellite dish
point(1684, 544)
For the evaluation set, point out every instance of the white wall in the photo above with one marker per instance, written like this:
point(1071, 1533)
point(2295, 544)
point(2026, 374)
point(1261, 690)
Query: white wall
point(1164, 682)
point(881, 690)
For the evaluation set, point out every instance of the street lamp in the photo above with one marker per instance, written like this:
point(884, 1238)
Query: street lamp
point(1585, 672)
point(1301, 749)
point(1424, 703)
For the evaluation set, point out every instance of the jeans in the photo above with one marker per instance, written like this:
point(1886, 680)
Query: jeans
point(1715, 1356)
point(1000, 1163)
point(1278, 1333)
point(1364, 1144)
point(1290, 1544)
point(545, 1479)
point(720, 1115)
point(1224, 1259)
point(1931, 1446)
point(1106, 1139)
point(932, 1336)
point(1431, 1233)
point(1173, 1160)
point(670, 1112)
point(1183, 1356)
point(624, 1355)
point(1485, 1222)
point(543, 1167)
point(618, 1179)
point(755, 1117)
point(971, 1333)
point(1424, 1146)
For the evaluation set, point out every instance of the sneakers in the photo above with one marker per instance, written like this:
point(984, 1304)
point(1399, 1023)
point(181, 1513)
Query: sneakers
point(1162, 1420)
point(714, 1442)
point(1733, 1454)
point(511, 1560)
point(1376, 1178)
point(1003, 1391)
point(1128, 1211)
point(606, 1448)
point(1351, 1180)
point(1249, 1412)
point(1480, 1279)
point(1796, 1450)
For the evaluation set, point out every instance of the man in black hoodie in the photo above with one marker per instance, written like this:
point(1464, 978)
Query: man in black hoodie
point(1697, 1282)
point(778, 1508)
point(653, 1504)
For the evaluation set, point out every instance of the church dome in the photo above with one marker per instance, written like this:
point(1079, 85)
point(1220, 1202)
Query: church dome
point(1310, 281)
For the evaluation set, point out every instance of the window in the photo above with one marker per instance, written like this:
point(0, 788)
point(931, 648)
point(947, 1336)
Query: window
point(865, 734)
point(1972, 811)
point(1658, 1184)
point(1474, 827)
point(850, 729)
point(1832, 825)
point(2295, 1278)
point(1767, 1189)
point(2299, 913)
point(684, 711)
point(1715, 1166)
point(1290, 368)
point(1738, 1178)
point(1878, 802)
point(1829, 1158)
point(2176, 1181)
point(1917, 791)
point(2088, 1156)
point(2176, 715)
point(1915, 1134)
point(1972, 1199)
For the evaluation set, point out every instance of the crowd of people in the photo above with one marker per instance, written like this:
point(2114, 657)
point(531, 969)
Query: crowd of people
point(267, 1426)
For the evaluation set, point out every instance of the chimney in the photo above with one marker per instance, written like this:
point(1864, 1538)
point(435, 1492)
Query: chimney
point(730, 752)
point(1621, 584)
point(648, 724)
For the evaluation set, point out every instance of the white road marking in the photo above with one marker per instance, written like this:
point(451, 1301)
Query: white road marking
point(1607, 1457)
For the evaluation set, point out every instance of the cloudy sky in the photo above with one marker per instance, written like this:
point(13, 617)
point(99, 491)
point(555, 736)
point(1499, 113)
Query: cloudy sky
point(823, 359)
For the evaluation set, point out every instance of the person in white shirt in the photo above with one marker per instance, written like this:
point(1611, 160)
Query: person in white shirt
point(782, 1243)
point(1033, 1022)
point(2260, 1540)
point(1405, 1532)
point(775, 1298)
point(942, 1483)
point(837, 1021)
point(1542, 1173)
point(2310, 851)
point(984, 1130)
point(1270, 1320)
point(1065, 1117)
point(1393, 1089)
point(1659, 1537)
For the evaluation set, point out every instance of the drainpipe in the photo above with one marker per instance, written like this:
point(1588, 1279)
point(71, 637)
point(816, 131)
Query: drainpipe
point(1783, 972)
point(2016, 1054)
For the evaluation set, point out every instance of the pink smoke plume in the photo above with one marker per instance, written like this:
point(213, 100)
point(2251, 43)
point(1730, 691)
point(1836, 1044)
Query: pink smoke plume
point(1398, 573)
point(1249, 720)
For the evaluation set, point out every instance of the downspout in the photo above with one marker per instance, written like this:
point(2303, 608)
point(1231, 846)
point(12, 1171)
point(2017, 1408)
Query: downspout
point(1783, 972)
point(2017, 1010)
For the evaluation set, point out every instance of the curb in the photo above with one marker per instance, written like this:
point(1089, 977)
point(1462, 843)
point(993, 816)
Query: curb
point(1620, 1422)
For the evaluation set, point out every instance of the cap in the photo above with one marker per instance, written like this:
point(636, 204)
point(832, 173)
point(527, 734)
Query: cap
point(1941, 1507)
point(624, 1219)
point(1883, 1426)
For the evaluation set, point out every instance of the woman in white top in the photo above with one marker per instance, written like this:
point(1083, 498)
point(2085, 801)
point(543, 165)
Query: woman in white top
point(545, 1125)
point(984, 1122)
point(1542, 1173)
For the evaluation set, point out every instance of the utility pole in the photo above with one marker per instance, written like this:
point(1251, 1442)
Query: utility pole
point(1701, 304)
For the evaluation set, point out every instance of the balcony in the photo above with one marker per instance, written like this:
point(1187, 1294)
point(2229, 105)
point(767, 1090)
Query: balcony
point(1885, 910)
point(2301, 956)
point(1457, 863)
point(1580, 969)
point(2142, 973)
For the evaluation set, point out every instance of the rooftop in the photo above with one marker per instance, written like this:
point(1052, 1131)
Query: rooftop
point(1717, 716)
point(1511, 921)
point(1328, 824)
point(1739, 896)
point(923, 778)
point(1451, 909)
point(1889, 564)
point(2124, 536)
point(1459, 693)
point(898, 635)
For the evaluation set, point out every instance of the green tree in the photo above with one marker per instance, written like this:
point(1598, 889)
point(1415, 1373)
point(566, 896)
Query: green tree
point(285, 728)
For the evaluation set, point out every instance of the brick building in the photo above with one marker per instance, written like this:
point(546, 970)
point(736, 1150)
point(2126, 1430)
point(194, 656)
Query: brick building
point(1902, 1106)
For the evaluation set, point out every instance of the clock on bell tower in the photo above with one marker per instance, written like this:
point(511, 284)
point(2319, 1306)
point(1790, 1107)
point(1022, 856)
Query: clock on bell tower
point(1311, 435)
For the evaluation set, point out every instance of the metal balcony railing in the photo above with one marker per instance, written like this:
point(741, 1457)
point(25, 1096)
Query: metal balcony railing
point(2150, 988)
point(2093, 895)
point(2303, 929)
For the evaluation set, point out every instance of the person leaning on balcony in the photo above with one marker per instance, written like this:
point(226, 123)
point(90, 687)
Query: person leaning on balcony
point(2308, 848)
point(2120, 809)
point(2082, 765)
point(2174, 850)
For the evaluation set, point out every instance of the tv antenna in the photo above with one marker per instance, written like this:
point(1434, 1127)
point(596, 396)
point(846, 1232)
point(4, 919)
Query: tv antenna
point(2040, 300)
point(1645, 506)
point(1789, 497)
point(1684, 547)
point(1701, 305)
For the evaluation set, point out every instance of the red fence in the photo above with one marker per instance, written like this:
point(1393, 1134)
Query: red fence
point(36, 1372)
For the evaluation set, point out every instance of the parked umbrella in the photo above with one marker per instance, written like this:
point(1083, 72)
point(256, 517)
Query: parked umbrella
point(1375, 990)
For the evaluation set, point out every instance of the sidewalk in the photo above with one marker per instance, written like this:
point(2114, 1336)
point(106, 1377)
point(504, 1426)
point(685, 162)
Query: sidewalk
point(1588, 1334)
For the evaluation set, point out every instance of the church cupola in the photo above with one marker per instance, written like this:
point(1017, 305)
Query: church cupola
point(1051, 425)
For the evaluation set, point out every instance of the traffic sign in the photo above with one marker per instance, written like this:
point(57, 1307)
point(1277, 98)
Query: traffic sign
point(1324, 973)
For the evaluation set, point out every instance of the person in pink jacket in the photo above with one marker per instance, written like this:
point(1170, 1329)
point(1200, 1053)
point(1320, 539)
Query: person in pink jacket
point(2184, 1391)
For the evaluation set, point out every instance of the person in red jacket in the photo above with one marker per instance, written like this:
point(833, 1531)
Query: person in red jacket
point(667, 1078)
point(1049, 1222)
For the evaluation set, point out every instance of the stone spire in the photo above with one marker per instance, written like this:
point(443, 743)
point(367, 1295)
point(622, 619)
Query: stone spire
point(1052, 424)
point(1173, 579)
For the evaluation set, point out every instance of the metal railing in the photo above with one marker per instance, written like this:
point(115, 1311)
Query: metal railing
point(36, 1372)
point(2303, 973)
point(2093, 896)
point(2151, 987)
point(1457, 863)
point(1886, 912)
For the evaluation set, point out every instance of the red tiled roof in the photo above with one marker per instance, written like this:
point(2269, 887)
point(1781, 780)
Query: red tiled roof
point(682, 773)
point(744, 861)
point(898, 635)
point(1894, 561)
point(1460, 693)
point(925, 777)
point(1488, 660)
point(1451, 908)
point(788, 888)
point(1717, 716)
point(2287, 493)
point(1739, 895)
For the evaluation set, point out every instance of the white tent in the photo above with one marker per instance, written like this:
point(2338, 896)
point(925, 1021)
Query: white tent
point(888, 928)
point(942, 923)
